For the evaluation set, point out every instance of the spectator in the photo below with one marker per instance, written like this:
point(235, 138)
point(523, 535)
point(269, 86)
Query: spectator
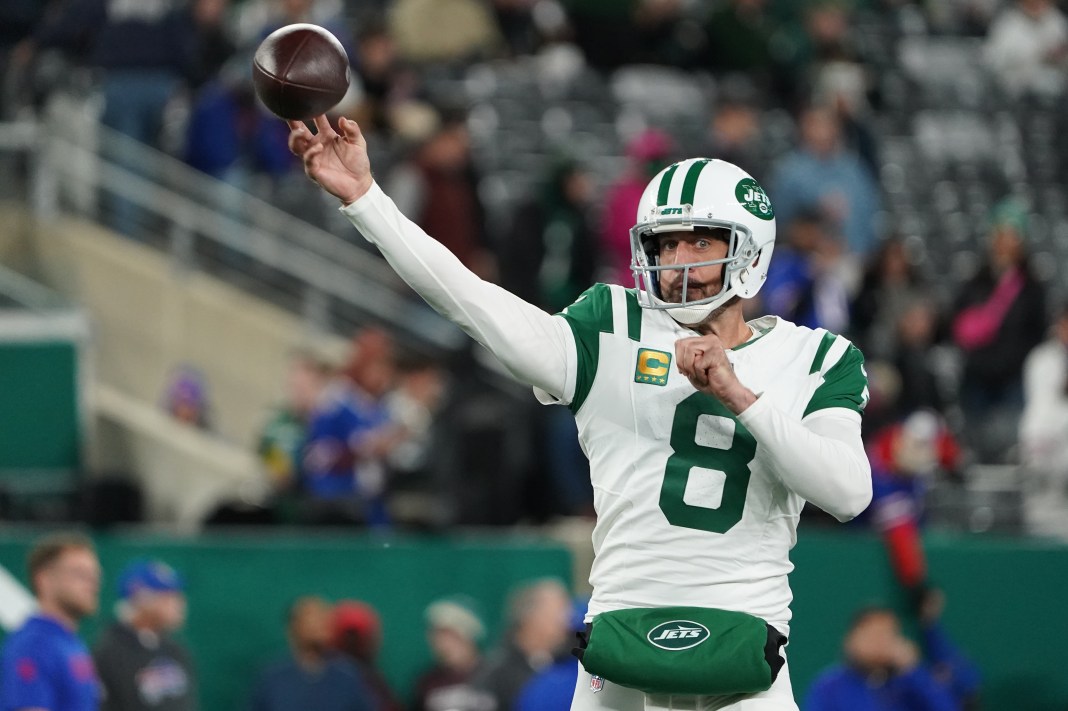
point(805, 283)
point(740, 38)
point(515, 18)
point(735, 133)
point(186, 399)
point(19, 19)
point(1027, 48)
point(550, 256)
point(904, 458)
point(551, 689)
point(44, 666)
point(145, 52)
point(357, 635)
point(429, 31)
point(605, 30)
point(438, 186)
point(950, 667)
point(665, 33)
point(453, 633)
point(350, 435)
point(917, 328)
point(837, 78)
point(416, 404)
point(1000, 317)
point(823, 174)
point(141, 666)
point(325, 14)
point(539, 620)
point(230, 136)
point(1044, 424)
point(647, 154)
point(213, 43)
point(382, 81)
point(891, 284)
point(282, 440)
point(311, 677)
point(882, 670)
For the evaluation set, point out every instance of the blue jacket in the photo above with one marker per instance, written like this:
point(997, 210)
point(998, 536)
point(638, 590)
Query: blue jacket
point(550, 689)
point(844, 688)
point(44, 665)
point(286, 686)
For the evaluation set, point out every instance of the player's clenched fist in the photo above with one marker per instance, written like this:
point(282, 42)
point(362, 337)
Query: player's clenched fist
point(703, 360)
point(336, 161)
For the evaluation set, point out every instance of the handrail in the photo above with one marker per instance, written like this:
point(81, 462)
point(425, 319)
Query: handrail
point(336, 277)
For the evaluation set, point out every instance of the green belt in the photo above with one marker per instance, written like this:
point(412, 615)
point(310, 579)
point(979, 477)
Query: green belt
point(683, 650)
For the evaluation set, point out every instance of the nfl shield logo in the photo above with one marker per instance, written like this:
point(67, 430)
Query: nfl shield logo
point(596, 684)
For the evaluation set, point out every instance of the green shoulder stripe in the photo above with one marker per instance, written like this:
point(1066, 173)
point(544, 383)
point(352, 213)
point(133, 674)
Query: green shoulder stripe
point(821, 353)
point(588, 317)
point(634, 316)
point(845, 384)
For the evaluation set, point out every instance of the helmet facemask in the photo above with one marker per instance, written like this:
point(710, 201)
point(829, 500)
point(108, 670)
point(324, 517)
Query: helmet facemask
point(645, 251)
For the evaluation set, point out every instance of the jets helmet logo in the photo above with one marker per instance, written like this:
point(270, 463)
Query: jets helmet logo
point(753, 198)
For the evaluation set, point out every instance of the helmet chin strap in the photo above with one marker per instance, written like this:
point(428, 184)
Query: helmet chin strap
point(695, 314)
point(691, 315)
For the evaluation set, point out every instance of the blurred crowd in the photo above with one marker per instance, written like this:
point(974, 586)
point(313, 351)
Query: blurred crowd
point(140, 660)
point(964, 368)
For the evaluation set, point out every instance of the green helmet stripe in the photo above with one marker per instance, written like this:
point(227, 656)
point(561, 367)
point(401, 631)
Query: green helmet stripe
point(689, 186)
point(665, 185)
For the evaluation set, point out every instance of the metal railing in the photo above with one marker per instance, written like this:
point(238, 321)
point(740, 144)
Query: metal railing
point(84, 168)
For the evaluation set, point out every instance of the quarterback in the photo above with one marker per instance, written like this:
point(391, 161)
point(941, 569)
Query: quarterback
point(705, 433)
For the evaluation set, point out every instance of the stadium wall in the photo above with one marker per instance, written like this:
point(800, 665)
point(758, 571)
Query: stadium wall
point(1004, 597)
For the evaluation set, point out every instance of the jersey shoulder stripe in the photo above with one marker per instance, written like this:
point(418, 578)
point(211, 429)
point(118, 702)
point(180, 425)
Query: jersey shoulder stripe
point(843, 380)
point(589, 317)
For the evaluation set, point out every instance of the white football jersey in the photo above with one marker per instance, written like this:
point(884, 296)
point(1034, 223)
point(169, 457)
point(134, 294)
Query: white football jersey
point(688, 509)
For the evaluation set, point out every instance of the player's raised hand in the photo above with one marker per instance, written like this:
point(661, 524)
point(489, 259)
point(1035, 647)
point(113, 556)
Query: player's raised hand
point(336, 161)
point(703, 360)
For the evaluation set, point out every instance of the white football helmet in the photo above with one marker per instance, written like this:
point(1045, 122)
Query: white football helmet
point(708, 193)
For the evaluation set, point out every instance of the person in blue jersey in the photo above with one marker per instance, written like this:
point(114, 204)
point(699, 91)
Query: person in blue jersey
point(350, 434)
point(884, 671)
point(44, 665)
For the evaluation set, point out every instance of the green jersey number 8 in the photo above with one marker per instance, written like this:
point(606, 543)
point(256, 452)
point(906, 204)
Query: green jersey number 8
point(717, 452)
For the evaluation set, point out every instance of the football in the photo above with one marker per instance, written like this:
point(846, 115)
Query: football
point(300, 71)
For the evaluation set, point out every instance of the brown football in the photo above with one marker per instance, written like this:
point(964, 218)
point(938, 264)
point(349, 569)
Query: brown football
point(300, 71)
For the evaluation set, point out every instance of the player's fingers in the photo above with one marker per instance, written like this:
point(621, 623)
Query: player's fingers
point(698, 369)
point(298, 144)
point(299, 137)
point(323, 127)
point(684, 350)
point(709, 358)
point(311, 157)
point(350, 130)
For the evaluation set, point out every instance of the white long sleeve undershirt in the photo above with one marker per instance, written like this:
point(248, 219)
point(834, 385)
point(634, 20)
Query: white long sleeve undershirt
point(822, 459)
point(532, 344)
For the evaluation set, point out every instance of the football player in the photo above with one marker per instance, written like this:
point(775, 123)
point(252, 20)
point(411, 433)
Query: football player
point(705, 433)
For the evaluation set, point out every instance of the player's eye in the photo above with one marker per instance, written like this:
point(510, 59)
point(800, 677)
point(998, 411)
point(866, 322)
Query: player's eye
point(703, 244)
point(668, 245)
